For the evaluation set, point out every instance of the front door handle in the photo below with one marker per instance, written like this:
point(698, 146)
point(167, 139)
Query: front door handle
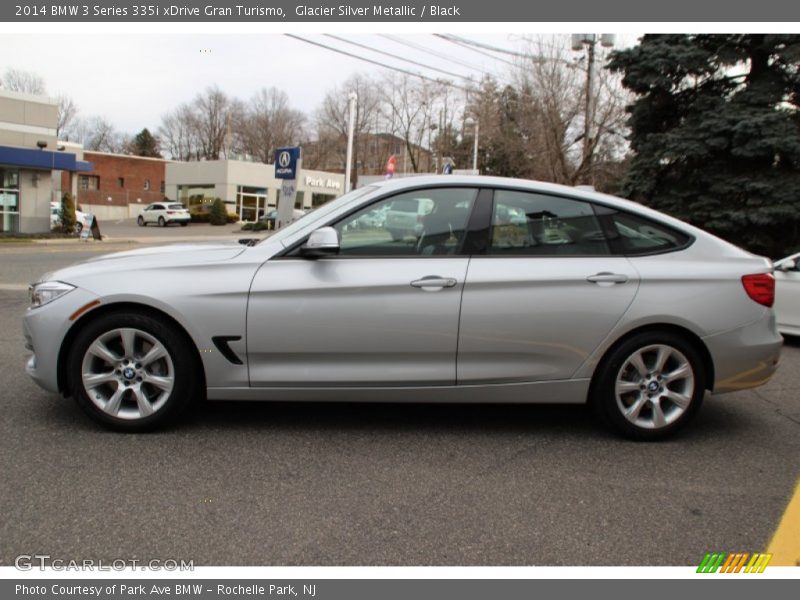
point(606, 277)
point(434, 281)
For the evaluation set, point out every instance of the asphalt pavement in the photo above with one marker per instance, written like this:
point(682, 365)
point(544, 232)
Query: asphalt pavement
point(374, 484)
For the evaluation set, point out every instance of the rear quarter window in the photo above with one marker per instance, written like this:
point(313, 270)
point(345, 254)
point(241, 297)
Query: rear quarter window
point(638, 235)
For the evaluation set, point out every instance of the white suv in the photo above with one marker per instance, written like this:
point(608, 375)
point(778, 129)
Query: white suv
point(164, 213)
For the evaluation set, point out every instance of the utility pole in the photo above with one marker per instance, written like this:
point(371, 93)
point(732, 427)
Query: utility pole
point(589, 41)
point(353, 99)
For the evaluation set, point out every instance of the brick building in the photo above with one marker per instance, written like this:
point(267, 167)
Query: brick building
point(120, 185)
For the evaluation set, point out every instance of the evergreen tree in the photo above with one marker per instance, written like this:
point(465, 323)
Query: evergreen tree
point(218, 215)
point(144, 144)
point(66, 214)
point(715, 132)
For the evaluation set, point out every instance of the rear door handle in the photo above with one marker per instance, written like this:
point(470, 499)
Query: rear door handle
point(606, 277)
point(434, 281)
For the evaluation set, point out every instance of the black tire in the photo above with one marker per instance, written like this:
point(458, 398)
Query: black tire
point(184, 224)
point(608, 406)
point(186, 384)
point(140, 221)
point(161, 222)
point(78, 228)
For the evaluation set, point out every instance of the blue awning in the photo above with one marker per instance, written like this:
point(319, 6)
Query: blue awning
point(42, 159)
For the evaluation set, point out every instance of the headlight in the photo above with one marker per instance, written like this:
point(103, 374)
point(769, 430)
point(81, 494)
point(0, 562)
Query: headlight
point(47, 291)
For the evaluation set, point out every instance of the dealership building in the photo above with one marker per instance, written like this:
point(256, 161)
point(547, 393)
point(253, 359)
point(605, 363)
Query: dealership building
point(249, 189)
point(34, 166)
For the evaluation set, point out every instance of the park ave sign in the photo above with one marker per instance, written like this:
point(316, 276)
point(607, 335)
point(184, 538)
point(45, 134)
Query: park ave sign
point(322, 182)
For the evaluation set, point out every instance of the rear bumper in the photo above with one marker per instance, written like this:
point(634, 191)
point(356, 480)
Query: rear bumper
point(745, 357)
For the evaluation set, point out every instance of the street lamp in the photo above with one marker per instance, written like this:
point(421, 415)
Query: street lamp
point(470, 121)
point(588, 41)
point(353, 100)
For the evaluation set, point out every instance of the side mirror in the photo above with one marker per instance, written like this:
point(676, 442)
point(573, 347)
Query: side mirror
point(322, 242)
point(787, 265)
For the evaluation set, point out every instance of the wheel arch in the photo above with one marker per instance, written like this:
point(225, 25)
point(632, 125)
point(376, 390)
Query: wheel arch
point(687, 334)
point(122, 307)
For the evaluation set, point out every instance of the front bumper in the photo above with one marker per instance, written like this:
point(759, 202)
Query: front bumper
point(745, 357)
point(45, 328)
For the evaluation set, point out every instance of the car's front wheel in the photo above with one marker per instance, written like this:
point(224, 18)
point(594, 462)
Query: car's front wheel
point(140, 221)
point(132, 371)
point(649, 386)
point(78, 228)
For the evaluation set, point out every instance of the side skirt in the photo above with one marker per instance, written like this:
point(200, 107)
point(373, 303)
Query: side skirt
point(571, 391)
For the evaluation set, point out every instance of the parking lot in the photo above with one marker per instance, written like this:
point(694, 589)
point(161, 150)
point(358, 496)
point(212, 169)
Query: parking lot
point(362, 484)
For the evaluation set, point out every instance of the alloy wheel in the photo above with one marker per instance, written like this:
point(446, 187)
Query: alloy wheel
point(654, 386)
point(127, 373)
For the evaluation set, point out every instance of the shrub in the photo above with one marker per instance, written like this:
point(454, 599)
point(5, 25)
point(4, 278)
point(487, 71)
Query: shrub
point(218, 215)
point(247, 227)
point(259, 226)
point(66, 214)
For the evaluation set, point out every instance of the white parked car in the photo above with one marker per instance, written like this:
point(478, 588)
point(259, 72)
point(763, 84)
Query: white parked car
point(82, 219)
point(163, 214)
point(787, 294)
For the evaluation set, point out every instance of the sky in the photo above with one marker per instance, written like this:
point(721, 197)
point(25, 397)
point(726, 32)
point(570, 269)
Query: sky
point(133, 79)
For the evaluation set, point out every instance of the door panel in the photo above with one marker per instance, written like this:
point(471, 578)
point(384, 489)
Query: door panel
point(538, 318)
point(354, 321)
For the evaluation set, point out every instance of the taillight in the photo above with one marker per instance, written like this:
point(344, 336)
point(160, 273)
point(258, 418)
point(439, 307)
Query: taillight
point(170, 212)
point(760, 287)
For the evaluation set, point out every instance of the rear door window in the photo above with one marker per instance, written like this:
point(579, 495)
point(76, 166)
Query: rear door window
point(532, 224)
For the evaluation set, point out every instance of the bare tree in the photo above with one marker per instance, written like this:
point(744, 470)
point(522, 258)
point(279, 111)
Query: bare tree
point(67, 113)
point(267, 123)
point(17, 80)
point(211, 120)
point(177, 134)
point(409, 104)
point(98, 134)
point(333, 116)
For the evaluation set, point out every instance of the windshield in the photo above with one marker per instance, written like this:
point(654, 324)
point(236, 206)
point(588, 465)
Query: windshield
point(323, 210)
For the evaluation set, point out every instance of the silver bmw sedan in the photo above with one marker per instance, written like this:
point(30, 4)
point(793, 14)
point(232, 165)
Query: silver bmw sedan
point(496, 290)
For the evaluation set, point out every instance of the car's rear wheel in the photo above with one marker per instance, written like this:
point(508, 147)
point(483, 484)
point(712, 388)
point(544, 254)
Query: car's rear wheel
point(131, 371)
point(140, 221)
point(649, 386)
point(161, 222)
point(78, 228)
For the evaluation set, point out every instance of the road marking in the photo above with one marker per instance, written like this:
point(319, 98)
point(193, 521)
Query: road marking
point(785, 544)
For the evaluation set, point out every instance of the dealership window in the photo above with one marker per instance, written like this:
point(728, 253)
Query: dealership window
point(146, 185)
point(320, 199)
point(251, 202)
point(9, 199)
point(120, 182)
point(88, 182)
point(526, 224)
point(197, 198)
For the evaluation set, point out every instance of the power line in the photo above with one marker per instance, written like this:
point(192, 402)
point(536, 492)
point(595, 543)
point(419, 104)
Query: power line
point(375, 62)
point(432, 52)
point(473, 49)
point(389, 54)
point(492, 48)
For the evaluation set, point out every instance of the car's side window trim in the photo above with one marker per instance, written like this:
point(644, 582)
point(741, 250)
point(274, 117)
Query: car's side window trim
point(293, 251)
